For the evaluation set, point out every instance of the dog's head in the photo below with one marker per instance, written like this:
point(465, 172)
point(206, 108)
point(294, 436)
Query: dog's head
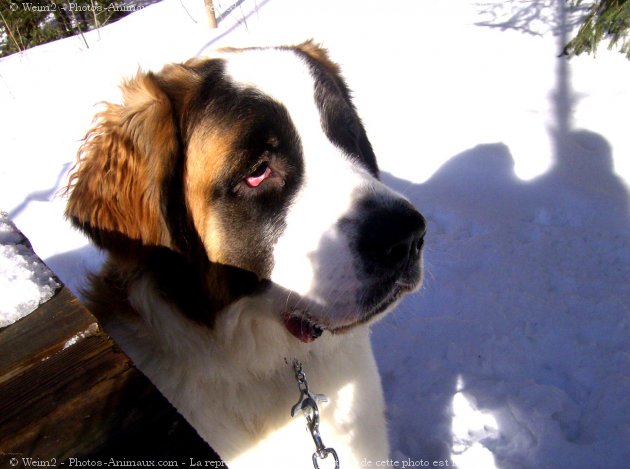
point(254, 161)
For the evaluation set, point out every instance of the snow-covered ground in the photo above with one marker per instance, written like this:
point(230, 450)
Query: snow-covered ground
point(516, 352)
point(25, 282)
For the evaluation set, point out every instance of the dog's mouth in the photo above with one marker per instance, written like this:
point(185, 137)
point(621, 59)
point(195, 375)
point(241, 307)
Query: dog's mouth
point(302, 327)
point(307, 329)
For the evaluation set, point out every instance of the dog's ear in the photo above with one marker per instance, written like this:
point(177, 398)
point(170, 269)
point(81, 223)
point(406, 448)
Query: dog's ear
point(115, 188)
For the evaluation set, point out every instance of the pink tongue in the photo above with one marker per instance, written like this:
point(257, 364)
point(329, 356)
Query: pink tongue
point(299, 328)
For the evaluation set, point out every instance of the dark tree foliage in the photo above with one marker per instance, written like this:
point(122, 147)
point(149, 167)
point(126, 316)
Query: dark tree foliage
point(606, 20)
point(25, 24)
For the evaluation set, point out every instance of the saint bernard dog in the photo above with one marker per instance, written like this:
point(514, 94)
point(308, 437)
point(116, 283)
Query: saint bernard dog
point(238, 201)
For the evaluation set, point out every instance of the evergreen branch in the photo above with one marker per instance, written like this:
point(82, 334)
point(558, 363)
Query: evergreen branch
point(606, 19)
point(9, 30)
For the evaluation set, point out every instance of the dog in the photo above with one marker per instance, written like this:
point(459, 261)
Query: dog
point(238, 200)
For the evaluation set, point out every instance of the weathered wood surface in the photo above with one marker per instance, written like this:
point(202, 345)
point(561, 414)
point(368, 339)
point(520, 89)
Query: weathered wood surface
point(67, 391)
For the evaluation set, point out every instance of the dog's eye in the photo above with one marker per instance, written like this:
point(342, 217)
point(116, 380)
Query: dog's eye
point(262, 172)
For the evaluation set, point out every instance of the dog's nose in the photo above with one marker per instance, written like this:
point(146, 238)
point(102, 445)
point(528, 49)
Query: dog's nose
point(392, 236)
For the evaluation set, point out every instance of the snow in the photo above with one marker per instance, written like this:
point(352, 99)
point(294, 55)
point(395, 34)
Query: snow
point(25, 282)
point(516, 352)
point(93, 329)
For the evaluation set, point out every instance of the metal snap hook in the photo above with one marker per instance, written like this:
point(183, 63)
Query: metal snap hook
point(307, 404)
point(323, 454)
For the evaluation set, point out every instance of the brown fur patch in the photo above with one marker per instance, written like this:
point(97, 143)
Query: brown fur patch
point(319, 54)
point(115, 186)
point(208, 152)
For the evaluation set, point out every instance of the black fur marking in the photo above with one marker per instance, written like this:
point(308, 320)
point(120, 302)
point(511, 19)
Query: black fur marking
point(339, 118)
point(251, 219)
point(186, 276)
point(254, 218)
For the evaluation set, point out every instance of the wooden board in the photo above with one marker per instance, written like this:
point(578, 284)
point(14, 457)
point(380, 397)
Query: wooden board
point(67, 391)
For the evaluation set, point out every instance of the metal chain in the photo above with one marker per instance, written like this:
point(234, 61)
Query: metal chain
point(307, 404)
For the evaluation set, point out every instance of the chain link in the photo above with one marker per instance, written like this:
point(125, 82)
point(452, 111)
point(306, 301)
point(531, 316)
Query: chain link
point(307, 404)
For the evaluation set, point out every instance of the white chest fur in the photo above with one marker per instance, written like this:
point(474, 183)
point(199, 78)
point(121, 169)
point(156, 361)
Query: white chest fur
point(235, 383)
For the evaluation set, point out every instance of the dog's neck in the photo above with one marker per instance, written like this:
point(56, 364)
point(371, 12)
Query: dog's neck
point(198, 288)
point(236, 377)
point(247, 335)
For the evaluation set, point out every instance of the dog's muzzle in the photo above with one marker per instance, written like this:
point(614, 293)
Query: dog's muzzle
point(385, 237)
point(389, 240)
